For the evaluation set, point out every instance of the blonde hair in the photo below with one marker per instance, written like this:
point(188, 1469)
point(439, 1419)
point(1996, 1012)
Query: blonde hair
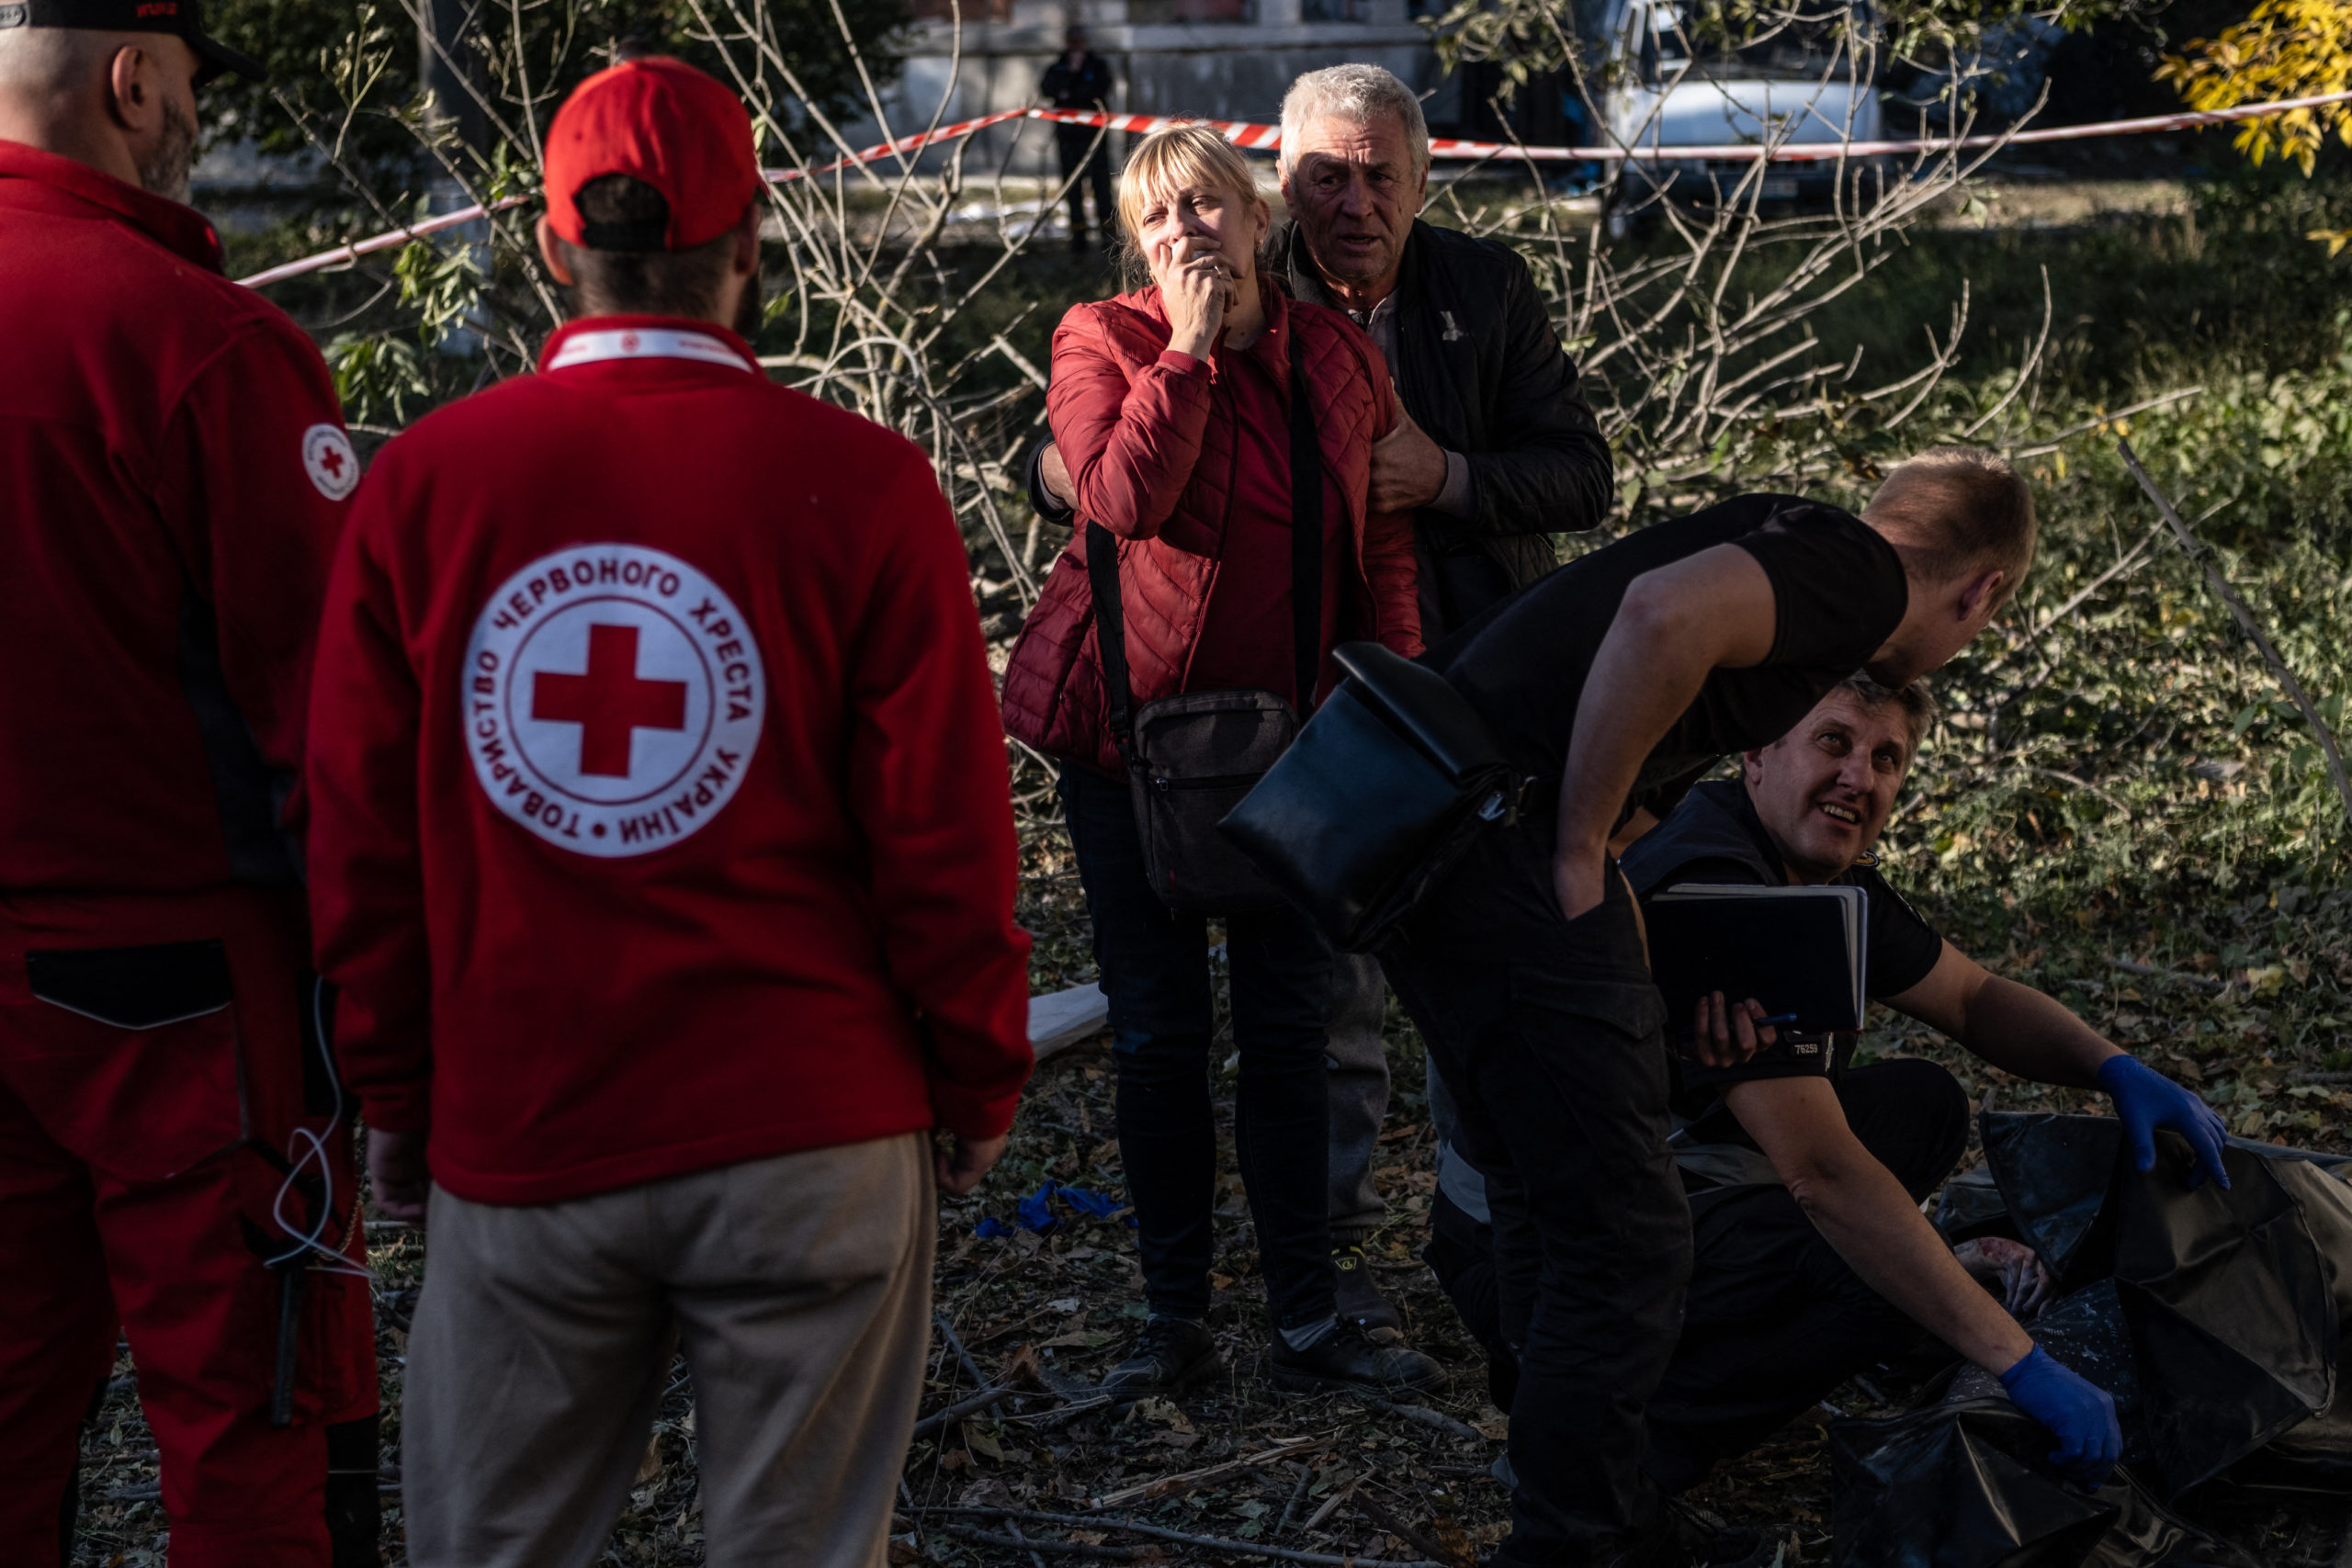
point(1178, 155)
point(1955, 511)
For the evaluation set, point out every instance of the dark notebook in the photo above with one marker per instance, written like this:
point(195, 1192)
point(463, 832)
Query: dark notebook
point(1797, 950)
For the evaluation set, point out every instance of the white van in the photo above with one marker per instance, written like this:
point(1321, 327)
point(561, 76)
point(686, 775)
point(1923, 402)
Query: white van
point(1814, 79)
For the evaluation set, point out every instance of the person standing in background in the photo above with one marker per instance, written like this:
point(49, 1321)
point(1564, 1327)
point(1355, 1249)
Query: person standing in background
point(1081, 79)
point(173, 1162)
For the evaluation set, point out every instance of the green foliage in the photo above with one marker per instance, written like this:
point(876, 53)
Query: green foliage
point(1528, 37)
point(2117, 775)
point(2285, 48)
point(347, 69)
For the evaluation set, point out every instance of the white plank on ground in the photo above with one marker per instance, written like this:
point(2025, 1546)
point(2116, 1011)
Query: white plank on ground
point(1059, 1019)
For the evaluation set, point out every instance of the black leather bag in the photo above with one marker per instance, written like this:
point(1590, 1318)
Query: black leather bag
point(1192, 757)
point(1377, 798)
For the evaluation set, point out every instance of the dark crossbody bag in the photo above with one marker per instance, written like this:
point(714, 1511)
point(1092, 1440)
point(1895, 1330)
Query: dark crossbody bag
point(1383, 793)
point(1192, 757)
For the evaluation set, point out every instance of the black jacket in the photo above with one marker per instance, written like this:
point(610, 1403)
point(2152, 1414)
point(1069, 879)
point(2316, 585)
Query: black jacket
point(1483, 374)
point(1088, 88)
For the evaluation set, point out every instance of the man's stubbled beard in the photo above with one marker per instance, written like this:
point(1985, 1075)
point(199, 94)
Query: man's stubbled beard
point(750, 311)
point(164, 170)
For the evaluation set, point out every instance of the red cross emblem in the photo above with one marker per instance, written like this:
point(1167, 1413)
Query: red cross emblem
point(609, 703)
point(331, 461)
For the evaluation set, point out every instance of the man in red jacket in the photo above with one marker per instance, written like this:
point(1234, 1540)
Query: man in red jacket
point(662, 843)
point(173, 1162)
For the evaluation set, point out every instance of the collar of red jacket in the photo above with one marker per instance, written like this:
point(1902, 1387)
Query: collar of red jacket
point(1271, 344)
point(594, 340)
point(1271, 294)
point(181, 229)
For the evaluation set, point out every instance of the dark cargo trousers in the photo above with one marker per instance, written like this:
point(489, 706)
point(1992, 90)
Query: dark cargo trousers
point(1549, 1031)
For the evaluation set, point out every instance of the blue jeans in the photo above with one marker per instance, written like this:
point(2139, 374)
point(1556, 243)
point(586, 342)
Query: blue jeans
point(1156, 977)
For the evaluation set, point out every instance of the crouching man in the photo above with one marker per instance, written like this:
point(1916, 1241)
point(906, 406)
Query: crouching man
point(1806, 1173)
point(1625, 676)
point(664, 850)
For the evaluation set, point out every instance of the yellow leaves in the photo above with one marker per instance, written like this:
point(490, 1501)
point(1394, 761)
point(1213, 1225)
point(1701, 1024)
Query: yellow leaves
point(2336, 238)
point(2285, 48)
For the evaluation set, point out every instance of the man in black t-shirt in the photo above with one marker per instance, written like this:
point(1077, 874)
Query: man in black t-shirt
point(1812, 1260)
point(1624, 676)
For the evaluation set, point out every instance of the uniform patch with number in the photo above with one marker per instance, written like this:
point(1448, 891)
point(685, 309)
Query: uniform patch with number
point(613, 696)
point(328, 458)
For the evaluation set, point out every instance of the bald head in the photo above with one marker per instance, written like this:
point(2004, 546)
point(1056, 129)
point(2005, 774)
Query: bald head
point(123, 103)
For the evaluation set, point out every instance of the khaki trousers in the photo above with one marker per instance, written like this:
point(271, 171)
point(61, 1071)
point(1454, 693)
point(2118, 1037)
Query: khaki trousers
point(799, 1289)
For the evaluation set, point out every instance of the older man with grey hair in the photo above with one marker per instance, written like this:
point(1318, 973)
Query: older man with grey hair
point(1495, 449)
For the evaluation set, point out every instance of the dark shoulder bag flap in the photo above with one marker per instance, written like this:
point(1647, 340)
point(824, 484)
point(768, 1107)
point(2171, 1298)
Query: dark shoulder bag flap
point(1421, 705)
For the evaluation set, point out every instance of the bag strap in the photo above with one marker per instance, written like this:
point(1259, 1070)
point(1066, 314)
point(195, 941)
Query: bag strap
point(1306, 570)
point(1305, 531)
point(1111, 633)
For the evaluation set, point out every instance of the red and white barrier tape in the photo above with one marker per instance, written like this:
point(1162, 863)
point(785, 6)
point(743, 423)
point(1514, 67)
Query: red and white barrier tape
point(1269, 138)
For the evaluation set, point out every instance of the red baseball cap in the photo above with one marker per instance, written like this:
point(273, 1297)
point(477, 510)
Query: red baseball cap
point(659, 120)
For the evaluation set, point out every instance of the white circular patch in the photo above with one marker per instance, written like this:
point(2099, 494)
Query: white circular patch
point(613, 697)
point(328, 458)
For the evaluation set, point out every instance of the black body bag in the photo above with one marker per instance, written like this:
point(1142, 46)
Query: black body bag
point(1377, 798)
point(1192, 757)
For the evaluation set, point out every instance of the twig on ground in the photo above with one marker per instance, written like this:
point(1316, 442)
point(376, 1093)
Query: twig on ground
point(1161, 1532)
point(2203, 554)
point(1013, 1529)
point(979, 1378)
point(1018, 1542)
point(1171, 1485)
point(1297, 1495)
point(1329, 1505)
point(914, 1524)
point(1372, 1508)
point(961, 1408)
point(1424, 1416)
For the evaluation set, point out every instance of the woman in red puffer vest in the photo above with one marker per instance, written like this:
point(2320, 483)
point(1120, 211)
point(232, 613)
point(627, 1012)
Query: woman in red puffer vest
point(1171, 408)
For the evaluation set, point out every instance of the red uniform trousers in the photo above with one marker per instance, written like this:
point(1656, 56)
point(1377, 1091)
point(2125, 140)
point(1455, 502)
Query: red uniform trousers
point(143, 1183)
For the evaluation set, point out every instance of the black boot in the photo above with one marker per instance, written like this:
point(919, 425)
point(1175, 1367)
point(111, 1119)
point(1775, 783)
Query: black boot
point(1359, 1300)
point(1173, 1354)
point(1347, 1358)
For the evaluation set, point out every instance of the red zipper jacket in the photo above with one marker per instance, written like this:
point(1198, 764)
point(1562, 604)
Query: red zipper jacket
point(173, 475)
point(661, 820)
point(1149, 437)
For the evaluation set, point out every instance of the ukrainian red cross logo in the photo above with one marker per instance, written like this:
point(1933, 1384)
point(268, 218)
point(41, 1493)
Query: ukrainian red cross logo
point(608, 703)
point(328, 458)
point(613, 696)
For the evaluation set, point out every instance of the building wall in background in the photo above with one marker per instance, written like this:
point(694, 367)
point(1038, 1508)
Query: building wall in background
point(1232, 60)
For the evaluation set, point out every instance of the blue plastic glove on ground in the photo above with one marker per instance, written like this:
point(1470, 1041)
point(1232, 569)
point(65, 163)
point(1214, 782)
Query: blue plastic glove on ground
point(2079, 1414)
point(2146, 1100)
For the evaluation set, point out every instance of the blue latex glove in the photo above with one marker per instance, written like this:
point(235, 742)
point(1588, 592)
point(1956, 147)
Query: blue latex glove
point(2146, 1100)
point(2079, 1414)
